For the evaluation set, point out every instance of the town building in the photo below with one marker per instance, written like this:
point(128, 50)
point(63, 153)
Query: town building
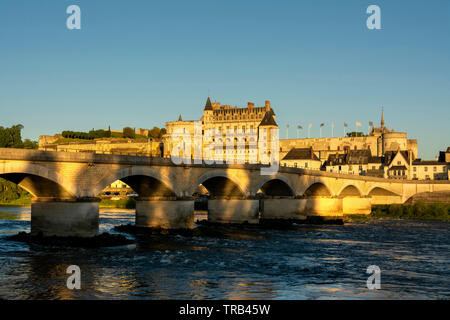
point(301, 158)
point(360, 162)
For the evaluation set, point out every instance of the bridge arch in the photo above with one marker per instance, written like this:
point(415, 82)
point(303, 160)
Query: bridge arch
point(38, 180)
point(350, 190)
point(275, 186)
point(317, 189)
point(147, 182)
point(220, 183)
point(380, 191)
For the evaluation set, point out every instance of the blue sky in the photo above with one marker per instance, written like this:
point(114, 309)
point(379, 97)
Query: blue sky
point(142, 63)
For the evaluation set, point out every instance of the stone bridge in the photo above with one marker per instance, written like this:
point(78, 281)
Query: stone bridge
point(65, 186)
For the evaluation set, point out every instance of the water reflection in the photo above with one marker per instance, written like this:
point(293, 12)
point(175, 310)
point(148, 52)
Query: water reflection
point(308, 263)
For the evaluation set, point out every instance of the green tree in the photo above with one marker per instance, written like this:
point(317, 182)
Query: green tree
point(28, 144)
point(11, 137)
point(154, 133)
point(355, 134)
point(129, 133)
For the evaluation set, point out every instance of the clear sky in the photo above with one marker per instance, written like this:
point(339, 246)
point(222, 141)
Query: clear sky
point(141, 63)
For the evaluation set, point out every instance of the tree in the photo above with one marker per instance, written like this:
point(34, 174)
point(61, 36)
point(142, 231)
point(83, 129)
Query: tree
point(162, 132)
point(154, 133)
point(11, 137)
point(355, 134)
point(28, 144)
point(129, 133)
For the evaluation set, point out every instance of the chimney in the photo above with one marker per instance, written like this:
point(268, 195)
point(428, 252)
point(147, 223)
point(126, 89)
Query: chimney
point(250, 105)
point(267, 105)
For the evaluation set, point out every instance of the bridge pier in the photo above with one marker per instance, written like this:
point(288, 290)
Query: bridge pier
point(222, 210)
point(284, 208)
point(355, 205)
point(76, 217)
point(323, 206)
point(291, 208)
point(165, 213)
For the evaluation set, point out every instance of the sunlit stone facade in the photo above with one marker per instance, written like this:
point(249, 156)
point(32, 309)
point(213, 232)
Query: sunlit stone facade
point(226, 134)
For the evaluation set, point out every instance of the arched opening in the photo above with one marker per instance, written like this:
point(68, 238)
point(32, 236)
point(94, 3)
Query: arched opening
point(380, 192)
point(350, 191)
point(317, 190)
point(430, 197)
point(219, 187)
point(276, 188)
point(212, 196)
point(146, 186)
point(124, 193)
point(37, 186)
point(201, 196)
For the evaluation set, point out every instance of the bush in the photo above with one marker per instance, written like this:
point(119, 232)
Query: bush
point(128, 132)
point(419, 209)
point(10, 191)
point(395, 210)
point(130, 204)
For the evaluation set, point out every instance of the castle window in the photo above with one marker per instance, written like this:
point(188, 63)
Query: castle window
point(426, 169)
point(434, 169)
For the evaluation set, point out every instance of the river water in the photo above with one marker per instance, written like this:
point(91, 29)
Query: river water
point(311, 262)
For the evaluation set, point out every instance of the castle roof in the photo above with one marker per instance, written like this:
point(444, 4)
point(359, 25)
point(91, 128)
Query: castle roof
point(358, 156)
point(300, 154)
point(353, 157)
point(419, 162)
point(268, 119)
point(390, 155)
point(208, 105)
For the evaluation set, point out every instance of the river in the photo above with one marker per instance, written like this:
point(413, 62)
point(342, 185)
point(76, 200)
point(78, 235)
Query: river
point(311, 262)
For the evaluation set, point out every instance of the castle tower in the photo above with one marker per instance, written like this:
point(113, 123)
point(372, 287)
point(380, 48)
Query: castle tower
point(269, 124)
point(208, 111)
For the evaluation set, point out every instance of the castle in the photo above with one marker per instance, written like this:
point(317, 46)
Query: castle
point(379, 141)
point(228, 134)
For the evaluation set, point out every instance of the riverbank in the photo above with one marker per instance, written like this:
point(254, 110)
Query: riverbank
point(417, 211)
point(21, 202)
point(119, 204)
point(105, 203)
